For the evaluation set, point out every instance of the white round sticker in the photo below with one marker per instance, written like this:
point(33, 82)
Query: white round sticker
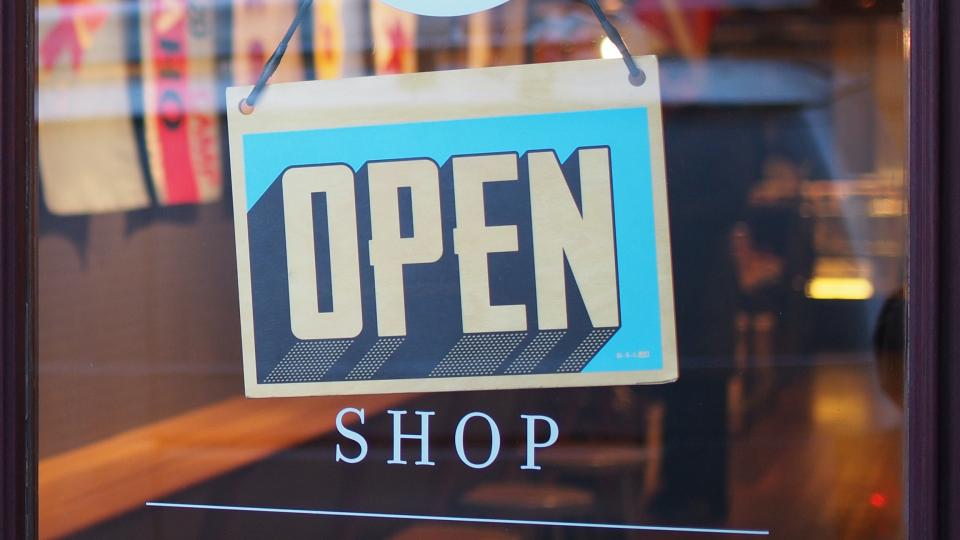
point(444, 8)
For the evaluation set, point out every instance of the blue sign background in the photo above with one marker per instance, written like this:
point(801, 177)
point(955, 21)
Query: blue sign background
point(637, 345)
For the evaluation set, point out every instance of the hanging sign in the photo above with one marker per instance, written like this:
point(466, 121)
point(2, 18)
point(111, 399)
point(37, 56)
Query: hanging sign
point(462, 230)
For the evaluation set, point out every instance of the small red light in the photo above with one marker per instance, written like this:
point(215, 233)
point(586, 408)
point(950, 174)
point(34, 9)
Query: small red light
point(878, 500)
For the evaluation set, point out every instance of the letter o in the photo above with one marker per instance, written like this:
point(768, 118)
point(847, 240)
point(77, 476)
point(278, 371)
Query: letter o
point(494, 442)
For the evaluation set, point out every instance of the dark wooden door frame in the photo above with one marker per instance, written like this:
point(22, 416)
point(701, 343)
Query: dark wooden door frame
point(18, 184)
point(933, 306)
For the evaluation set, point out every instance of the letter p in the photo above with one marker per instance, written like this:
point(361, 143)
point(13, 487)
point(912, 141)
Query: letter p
point(532, 444)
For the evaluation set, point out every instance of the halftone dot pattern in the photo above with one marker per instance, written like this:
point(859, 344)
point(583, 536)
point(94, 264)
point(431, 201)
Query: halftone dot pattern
point(381, 351)
point(478, 354)
point(308, 361)
point(587, 349)
point(535, 352)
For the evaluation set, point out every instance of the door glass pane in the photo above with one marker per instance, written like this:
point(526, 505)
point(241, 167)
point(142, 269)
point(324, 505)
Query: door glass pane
point(784, 137)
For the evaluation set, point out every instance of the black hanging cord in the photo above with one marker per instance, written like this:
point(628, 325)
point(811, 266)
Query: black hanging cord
point(247, 105)
point(637, 77)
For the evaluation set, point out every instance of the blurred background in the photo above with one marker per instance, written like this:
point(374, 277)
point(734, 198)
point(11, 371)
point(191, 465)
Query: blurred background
point(785, 144)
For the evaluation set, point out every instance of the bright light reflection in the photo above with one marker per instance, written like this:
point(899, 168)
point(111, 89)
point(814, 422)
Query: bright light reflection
point(822, 288)
point(608, 49)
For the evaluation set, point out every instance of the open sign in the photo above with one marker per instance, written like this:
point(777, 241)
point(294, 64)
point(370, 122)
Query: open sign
point(520, 244)
point(564, 232)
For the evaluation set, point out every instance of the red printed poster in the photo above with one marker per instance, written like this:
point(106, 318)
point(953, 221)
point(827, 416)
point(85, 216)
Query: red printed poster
point(258, 26)
point(328, 41)
point(180, 104)
point(394, 39)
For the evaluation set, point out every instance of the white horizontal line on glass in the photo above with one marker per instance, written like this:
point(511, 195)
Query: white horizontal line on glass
point(460, 519)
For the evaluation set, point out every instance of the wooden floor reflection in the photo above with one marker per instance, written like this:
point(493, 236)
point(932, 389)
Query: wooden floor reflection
point(832, 428)
point(820, 457)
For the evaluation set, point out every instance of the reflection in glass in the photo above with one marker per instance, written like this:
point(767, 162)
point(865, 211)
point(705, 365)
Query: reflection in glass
point(784, 126)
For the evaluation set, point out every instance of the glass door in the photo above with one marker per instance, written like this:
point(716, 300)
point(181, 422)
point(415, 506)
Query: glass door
point(784, 142)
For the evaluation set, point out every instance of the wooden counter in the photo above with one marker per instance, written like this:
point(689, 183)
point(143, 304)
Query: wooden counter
point(90, 484)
